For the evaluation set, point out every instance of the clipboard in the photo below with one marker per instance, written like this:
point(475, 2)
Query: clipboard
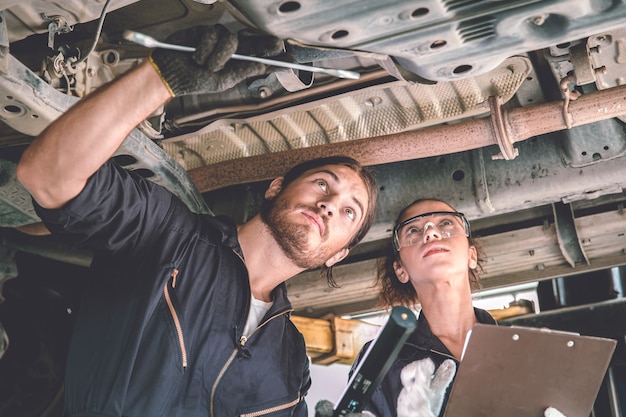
point(521, 371)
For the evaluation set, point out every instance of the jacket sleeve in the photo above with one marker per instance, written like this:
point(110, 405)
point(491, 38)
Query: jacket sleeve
point(117, 211)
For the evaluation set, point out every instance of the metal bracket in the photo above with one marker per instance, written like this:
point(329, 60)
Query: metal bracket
point(567, 234)
point(4, 44)
point(507, 151)
point(580, 58)
point(57, 25)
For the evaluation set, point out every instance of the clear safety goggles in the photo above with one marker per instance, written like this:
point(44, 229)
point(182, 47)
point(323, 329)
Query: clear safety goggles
point(448, 224)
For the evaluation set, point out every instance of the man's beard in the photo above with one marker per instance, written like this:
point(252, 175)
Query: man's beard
point(293, 239)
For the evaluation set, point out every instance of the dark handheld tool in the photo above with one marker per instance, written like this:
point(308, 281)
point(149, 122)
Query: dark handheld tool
point(376, 362)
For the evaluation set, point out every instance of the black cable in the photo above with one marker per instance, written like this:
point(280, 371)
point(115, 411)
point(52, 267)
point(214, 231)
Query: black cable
point(95, 42)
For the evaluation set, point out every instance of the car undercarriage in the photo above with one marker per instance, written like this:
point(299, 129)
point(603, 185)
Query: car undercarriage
point(512, 111)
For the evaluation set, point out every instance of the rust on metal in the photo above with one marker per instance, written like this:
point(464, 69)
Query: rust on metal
point(519, 124)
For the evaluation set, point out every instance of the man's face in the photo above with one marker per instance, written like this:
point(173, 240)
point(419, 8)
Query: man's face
point(317, 215)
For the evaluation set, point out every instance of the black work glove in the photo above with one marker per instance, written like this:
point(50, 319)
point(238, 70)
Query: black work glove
point(325, 408)
point(209, 69)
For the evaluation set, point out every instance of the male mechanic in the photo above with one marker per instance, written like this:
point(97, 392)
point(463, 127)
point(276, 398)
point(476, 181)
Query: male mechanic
point(187, 314)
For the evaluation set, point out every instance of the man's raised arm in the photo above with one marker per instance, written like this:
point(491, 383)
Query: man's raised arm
point(58, 163)
point(56, 166)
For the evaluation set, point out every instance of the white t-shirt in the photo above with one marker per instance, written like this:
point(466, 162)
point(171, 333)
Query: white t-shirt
point(258, 309)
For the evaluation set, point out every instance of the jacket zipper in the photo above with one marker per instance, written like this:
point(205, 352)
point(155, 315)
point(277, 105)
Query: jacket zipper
point(444, 355)
point(242, 342)
point(244, 339)
point(273, 409)
point(219, 377)
point(179, 330)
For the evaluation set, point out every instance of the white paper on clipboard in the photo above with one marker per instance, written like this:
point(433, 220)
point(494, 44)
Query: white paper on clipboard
point(520, 371)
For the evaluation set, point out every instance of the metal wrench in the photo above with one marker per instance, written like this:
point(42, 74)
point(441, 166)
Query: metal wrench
point(150, 42)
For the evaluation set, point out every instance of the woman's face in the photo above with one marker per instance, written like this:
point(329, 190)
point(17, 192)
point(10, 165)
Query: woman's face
point(433, 247)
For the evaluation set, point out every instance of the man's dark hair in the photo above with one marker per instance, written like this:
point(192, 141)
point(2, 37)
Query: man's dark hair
point(370, 184)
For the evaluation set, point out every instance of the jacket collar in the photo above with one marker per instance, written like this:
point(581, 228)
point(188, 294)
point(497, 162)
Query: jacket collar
point(423, 337)
point(228, 229)
point(281, 302)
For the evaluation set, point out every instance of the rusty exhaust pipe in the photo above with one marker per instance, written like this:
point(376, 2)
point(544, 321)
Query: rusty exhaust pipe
point(502, 128)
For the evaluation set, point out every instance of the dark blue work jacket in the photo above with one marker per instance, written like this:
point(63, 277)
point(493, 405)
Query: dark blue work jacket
point(421, 344)
point(159, 332)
